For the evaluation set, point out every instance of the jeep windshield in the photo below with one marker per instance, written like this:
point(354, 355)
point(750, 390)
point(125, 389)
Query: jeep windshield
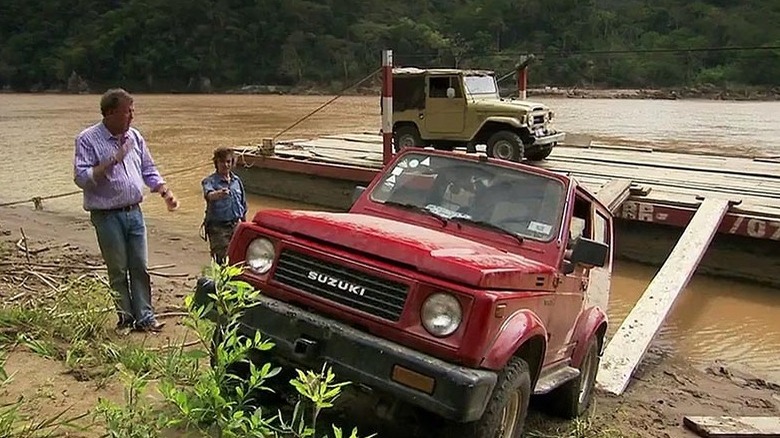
point(480, 85)
point(489, 196)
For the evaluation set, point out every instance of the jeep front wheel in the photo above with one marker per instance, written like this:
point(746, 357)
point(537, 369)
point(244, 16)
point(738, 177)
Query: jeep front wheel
point(504, 416)
point(406, 137)
point(505, 145)
point(538, 153)
point(573, 398)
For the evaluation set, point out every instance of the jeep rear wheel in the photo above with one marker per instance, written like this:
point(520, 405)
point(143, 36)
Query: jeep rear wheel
point(538, 153)
point(504, 416)
point(573, 398)
point(505, 145)
point(406, 137)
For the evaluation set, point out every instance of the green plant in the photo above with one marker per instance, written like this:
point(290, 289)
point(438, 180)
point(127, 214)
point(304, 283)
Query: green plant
point(133, 420)
point(222, 401)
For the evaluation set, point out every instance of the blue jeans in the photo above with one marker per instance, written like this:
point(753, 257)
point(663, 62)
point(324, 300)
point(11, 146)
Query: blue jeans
point(122, 239)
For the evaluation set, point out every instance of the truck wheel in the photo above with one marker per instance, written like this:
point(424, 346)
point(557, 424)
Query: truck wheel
point(505, 145)
point(406, 136)
point(538, 153)
point(573, 398)
point(505, 414)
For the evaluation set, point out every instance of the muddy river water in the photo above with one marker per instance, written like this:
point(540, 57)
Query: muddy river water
point(713, 319)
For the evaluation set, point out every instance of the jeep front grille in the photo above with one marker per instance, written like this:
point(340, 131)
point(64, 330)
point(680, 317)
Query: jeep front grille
point(361, 291)
point(539, 120)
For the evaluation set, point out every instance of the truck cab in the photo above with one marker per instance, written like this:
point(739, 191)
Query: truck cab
point(456, 283)
point(449, 108)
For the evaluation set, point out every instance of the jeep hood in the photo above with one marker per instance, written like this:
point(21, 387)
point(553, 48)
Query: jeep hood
point(431, 252)
point(510, 106)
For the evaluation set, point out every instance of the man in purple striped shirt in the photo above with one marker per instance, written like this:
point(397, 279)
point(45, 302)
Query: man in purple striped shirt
point(112, 164)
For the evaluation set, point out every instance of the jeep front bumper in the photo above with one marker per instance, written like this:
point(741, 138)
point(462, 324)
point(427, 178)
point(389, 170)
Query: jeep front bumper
point(307, 339)
point(541, 140)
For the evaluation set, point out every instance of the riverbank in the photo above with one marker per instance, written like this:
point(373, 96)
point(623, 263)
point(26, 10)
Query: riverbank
point(706, 92)
point(665, 388)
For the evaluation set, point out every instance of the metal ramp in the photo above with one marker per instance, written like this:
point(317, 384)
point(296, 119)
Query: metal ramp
point(632, 339)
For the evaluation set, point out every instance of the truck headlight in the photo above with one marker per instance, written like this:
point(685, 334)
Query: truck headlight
point(530, 120)
point(441, 314)
point(260, 255)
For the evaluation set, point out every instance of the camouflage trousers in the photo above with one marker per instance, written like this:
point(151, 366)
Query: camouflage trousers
point(219, 236)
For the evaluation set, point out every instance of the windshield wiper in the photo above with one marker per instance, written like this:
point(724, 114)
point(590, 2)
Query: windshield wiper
point(417, 208)
point(489, 226)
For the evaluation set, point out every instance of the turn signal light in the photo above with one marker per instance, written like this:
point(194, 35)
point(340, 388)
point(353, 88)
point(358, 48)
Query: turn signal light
point(413, 379)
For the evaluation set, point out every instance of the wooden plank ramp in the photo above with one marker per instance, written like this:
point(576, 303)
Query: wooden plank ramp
point(625, 350)
point(734, 427)
point(614, 193)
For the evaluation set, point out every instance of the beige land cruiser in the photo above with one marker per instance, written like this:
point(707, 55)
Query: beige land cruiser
point(449, 108)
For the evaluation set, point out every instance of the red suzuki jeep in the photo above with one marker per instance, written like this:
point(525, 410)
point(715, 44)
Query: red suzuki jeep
point(456, 283)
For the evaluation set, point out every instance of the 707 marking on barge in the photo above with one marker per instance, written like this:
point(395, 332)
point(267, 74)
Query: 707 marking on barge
point(732, 224)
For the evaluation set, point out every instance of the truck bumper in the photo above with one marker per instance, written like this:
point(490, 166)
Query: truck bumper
point(307, 339)
point(548, 139)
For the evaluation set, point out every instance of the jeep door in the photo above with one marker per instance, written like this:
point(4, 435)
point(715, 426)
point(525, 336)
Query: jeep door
point(571, 293)
point(443, 114)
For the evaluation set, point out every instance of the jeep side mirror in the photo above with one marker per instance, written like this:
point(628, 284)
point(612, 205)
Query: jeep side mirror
point(357, 192)
point(589, 252)
point(450, 93)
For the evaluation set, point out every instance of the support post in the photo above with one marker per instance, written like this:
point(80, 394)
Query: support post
point(632, 339)
point(522, 77)
point(522, 82)
point(387, 106)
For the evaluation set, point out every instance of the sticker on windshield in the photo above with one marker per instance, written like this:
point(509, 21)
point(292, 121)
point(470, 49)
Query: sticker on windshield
point(397, 171)
point(539, 227)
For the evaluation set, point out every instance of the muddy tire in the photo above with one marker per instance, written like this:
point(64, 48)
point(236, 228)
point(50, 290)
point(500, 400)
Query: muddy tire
point(406, 136)
point(538, 153)
point(505, 145)
point(573, 398)
point(505, 414)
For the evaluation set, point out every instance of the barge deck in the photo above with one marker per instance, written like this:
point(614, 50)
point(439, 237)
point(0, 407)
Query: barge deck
point(666, 188)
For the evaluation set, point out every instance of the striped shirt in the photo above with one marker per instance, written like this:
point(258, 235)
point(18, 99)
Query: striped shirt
point(123, 183)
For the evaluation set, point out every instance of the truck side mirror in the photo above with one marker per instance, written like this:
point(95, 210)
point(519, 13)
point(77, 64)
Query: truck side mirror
point(450, 93)
point(357, 192)
point(589, 252)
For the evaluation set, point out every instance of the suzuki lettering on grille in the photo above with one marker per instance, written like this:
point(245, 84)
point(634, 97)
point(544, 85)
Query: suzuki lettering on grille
point(336, 283)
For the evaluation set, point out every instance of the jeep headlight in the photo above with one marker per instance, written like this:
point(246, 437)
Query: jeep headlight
point(260, 255)
point(530, 120)
point(441, 314)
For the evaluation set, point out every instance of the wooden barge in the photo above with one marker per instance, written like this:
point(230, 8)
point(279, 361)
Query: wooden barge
point(664, 191)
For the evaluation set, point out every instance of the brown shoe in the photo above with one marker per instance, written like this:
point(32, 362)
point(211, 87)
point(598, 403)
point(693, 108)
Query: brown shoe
point(153, 326)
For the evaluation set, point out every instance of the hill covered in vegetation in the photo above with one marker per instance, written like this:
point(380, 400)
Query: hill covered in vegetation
point(178, 45)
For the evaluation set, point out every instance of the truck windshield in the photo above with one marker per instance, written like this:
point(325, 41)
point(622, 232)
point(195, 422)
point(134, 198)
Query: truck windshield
point(480, 84)
point(521, 203)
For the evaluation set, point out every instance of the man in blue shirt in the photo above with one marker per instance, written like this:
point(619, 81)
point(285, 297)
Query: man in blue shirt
point(225, 203)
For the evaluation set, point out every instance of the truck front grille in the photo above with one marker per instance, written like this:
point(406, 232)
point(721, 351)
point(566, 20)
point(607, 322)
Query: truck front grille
point(346, 286)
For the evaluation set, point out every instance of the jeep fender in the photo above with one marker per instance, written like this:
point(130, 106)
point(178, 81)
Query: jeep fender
point(511, 121)
point(517, 330)
point(593, 322)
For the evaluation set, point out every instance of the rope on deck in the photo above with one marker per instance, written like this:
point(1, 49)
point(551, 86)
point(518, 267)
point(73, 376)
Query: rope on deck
point(38, 200)
point(341, 93)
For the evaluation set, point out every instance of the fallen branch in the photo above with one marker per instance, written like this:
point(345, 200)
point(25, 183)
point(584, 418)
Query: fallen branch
point(17, 296)
point(169, 275)
point(172, 314)
point(22, 245)
point(44, 280)
point(170, 347)
point(83, 312)
point(26, 249)
point(156, 267)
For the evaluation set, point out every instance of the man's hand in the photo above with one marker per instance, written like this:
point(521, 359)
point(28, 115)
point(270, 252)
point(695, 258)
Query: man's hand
point(171, 202)
point(218, 194)
point(100, 170)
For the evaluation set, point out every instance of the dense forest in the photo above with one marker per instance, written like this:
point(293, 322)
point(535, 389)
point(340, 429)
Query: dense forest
point(188, 45)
